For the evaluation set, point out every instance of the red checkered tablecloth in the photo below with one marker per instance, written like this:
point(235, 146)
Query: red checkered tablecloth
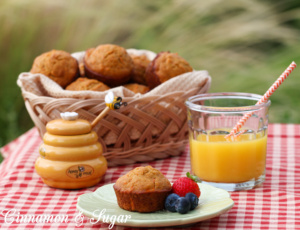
point(275, 205)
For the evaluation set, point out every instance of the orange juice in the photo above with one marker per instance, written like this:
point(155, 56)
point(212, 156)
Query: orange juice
point(215, 159)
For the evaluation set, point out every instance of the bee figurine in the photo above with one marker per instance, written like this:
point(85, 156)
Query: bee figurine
point(113, 102)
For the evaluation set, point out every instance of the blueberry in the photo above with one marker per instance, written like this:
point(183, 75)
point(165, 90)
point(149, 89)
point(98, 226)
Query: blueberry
point(193, 200)
point(170, 202)
point(182, 205)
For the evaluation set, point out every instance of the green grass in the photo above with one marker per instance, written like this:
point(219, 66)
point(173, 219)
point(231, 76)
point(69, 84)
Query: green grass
point(245, 45)
point(285, 101)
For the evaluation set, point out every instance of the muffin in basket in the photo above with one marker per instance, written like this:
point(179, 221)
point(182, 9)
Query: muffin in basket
point(143, 189)
point(110, 64)
point(58, 65)
point(84, 83)
point(140, 63)
point(137, 88)
point(165, 66)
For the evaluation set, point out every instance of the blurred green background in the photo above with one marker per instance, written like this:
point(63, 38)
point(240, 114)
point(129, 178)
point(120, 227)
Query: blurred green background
point(244, 44)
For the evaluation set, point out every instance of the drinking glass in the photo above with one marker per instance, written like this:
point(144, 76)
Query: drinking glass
point(232, 163)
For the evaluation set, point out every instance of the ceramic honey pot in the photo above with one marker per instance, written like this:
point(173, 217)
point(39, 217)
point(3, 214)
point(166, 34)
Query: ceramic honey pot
point(70, 155)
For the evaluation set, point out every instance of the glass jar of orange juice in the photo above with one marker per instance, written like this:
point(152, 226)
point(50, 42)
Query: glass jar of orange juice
point(234, 163)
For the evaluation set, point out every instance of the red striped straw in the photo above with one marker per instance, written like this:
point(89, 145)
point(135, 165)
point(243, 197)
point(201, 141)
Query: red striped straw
point(264, 98)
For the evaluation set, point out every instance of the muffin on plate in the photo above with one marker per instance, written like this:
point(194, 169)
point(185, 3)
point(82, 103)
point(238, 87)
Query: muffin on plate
point(137, 88)
point(140, 63)
point(58, 65)
point(110, 64)
point(165, 66)
point(143, 189)
point(84, 83)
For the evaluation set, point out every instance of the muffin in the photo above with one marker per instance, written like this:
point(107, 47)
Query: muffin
point(165, 66)
point(58, 65)
point(84, 83)
point(110, 64)
point(81, 69)
point(143, 189)
point(137, 88)
point(140, 64)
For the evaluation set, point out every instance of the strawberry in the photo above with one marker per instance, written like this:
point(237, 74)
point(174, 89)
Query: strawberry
point(184, 185)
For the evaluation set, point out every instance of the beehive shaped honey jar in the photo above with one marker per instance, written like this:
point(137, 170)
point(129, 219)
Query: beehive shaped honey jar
point(70, 155)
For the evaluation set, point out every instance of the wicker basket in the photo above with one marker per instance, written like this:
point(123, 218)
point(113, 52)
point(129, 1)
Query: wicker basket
point(152, 126)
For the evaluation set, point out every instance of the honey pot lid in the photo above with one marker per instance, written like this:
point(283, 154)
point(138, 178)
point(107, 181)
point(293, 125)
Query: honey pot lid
point(69, 124)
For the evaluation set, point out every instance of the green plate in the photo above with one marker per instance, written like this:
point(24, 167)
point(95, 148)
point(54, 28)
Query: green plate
point(102, 205)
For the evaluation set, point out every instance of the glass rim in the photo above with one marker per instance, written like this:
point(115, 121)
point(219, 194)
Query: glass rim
point(190, 102)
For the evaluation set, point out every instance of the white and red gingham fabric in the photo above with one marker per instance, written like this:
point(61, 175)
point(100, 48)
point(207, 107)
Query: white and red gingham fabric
point(275, 205)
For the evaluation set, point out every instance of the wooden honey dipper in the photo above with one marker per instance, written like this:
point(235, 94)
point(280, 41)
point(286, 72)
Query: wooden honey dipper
point(112, 103)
